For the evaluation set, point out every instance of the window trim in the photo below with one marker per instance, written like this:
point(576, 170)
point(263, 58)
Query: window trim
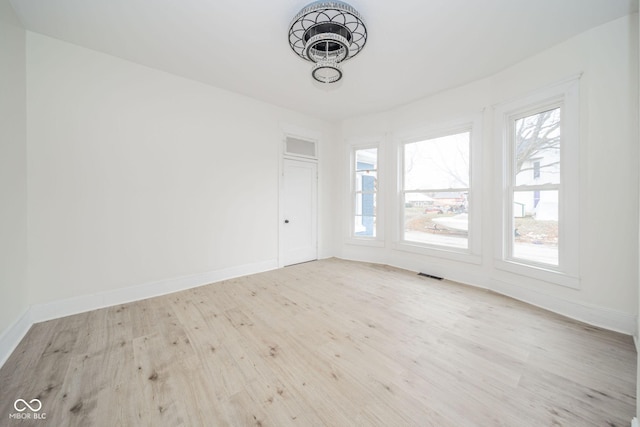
point(352, 238)
point(471, 254)
point(566, 95)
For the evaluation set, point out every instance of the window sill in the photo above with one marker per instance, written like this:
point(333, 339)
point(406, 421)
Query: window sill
point(539, 273)
point(453, 254)
point(363, 241)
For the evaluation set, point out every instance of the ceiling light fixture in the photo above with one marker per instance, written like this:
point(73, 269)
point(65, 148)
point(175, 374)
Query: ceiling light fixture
point(327, 33)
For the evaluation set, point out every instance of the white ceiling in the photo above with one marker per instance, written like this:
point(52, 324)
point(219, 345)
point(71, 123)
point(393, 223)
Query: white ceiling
point(415, 47)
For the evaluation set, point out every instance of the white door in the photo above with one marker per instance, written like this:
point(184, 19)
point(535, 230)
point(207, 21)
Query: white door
point(298, 222)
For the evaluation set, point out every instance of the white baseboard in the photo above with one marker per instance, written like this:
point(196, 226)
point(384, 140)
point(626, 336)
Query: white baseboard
point(602, 317)
point(66, 307)
point(12, 336)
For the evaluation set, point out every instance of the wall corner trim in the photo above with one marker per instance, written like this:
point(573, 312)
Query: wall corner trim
point(12, 336)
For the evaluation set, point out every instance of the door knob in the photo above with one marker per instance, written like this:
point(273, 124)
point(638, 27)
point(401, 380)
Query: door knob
point(286, 221)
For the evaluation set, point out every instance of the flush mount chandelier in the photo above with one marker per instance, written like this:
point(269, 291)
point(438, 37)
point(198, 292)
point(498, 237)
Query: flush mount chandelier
point(327, 33)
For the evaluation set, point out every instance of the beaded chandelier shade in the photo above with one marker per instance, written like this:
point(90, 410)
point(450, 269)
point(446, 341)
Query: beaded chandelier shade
point(327, 33)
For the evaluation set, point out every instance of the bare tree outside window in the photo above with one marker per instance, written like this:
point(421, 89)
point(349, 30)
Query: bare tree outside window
point(536, 181)
point(537, 141)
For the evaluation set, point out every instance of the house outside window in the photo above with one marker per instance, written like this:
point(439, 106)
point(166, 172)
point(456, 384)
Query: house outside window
point(364, 196)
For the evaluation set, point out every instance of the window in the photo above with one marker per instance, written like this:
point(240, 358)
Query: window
point(535, 139)
point(365, 183)
point(299, 147)
point(436, 182)
point(540, 180)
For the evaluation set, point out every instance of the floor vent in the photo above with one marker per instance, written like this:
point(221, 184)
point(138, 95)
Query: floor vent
point(430, 276)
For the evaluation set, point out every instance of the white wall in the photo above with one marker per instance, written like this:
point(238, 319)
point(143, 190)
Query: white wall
point(13, 170)
point(637, 333)
point(607, 56)
point(137, 176)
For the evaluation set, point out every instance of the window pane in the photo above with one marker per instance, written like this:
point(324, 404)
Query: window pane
point(367, 159)
point(438, 163)
point(365, 226)
point(301, 147)
point(537, 144)
point(365, 215)
point(366, 181)
point(535, 234)
point(366, 175)
point(437, 218)
point(366, 204)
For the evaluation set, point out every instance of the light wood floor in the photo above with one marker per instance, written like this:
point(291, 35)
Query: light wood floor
point(332, 343)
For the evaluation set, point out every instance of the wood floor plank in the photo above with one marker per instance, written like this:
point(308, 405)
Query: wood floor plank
point(327, 343)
